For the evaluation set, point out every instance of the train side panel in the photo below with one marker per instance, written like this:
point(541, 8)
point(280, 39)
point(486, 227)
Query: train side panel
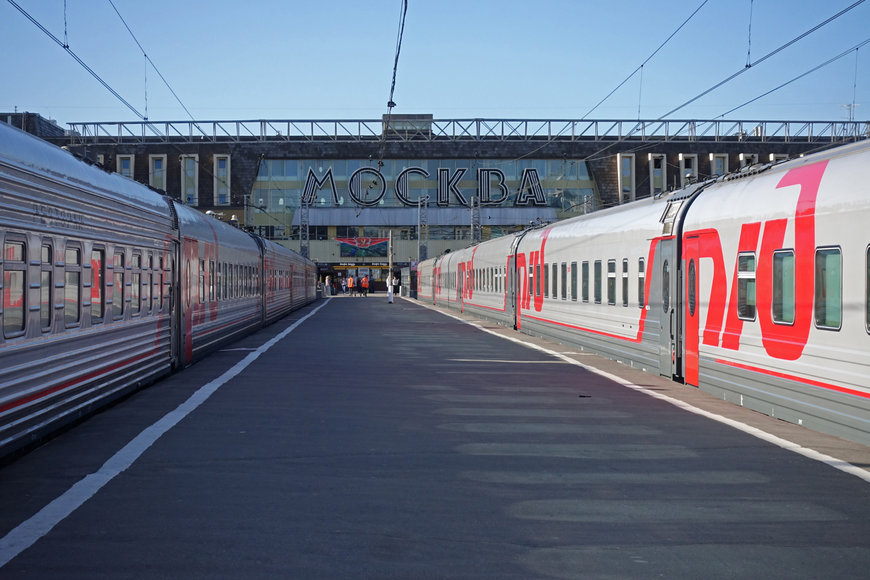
point(777, 272)
point(600, 282)
point(87, 268)
point(482, 273)
point(220, 280)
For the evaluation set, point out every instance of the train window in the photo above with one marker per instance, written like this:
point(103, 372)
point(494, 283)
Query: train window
point(211, 280)
point(118, 287)
point(611, 282)
point(829, 289)
point(13, 288)
point(538, 289)
point(72, 292)
point(641, 283)
point(158, 282)
point(596, 284)
point(555, 280)
point(574, 281)
point(693, 291)
point(666, 286)
point(625, 281)
point(187, 284)
point(585, 281)
point(546, 280)
point(46, 308)
point(224, 279)
point(564, 281)
point(531, 280)
point(136, 284)
point(98, 275)
point(783, 287)
point(146, 283)
point(202, 281)
point(746, 286)
point(154, 263)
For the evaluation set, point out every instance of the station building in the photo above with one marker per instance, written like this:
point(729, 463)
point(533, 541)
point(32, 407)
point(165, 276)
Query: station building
point(356, 196)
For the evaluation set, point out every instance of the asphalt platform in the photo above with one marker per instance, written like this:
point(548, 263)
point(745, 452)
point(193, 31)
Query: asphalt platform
point(390, 441)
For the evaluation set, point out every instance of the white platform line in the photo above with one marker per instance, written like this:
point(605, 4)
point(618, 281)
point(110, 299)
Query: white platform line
point(30, 531)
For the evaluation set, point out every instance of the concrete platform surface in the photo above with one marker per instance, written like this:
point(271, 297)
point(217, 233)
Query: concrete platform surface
point(361, 439)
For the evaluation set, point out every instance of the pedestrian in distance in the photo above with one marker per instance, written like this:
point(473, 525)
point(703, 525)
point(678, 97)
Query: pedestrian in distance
point(344, 285)
point(350, 284)
point(365, 286)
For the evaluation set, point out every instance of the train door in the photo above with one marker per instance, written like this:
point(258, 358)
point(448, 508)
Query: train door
point(691, 310)
point(510, 288)
point(516, 273)
point(174, 285)
point(460, 285)
point(667, 275)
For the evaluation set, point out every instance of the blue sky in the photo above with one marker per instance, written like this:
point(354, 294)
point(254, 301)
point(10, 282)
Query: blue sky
point(333, 59)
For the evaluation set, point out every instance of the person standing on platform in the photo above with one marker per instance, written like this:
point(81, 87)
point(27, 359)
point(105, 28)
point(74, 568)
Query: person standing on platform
point(365, 286)
point(350, 284)
point(344, 285)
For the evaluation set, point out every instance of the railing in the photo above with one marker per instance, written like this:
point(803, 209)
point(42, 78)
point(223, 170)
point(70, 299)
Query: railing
point(468, 130)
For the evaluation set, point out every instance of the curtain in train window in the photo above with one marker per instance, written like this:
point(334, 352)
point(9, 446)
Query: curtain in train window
point(641, 283)
point(829, 292)
point(783, 287)
point(611, 282)
point(625, 281)
point(746, 286)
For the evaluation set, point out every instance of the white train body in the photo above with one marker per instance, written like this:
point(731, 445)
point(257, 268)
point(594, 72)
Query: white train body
point(753, 287)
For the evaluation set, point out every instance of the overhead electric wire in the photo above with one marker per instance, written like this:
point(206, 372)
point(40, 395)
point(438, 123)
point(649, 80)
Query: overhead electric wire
point(610, 94)
point(762, 59)
point(596, 154)
point(649, 58)
point(390, 102)
point(154, 66)
point(812, 70)
point(78, 60)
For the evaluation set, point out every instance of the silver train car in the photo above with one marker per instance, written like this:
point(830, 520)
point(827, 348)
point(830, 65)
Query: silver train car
point(108, 286)
point(754, 287)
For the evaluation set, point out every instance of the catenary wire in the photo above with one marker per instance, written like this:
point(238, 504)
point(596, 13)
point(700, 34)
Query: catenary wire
point(78, 60)
point(800, 76)
point(151, 62)
point(762, 59)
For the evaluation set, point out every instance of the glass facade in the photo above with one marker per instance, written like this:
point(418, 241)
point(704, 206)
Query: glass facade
point(564, 185)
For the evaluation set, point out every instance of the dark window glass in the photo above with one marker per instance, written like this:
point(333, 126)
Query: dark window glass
point(783, 287)
point(829, 292)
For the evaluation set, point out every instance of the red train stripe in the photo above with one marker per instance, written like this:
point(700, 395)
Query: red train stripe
point(795, 378)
